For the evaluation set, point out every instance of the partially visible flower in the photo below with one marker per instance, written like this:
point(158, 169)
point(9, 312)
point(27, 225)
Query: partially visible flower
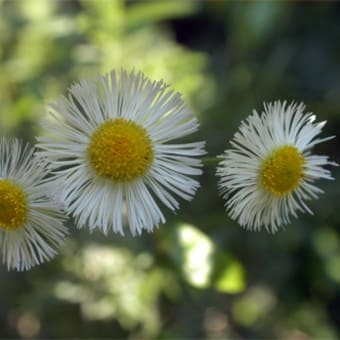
point(109, 146)
point(269, 172)
point(31, 226)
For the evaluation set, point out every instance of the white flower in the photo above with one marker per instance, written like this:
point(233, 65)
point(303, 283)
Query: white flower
point(31, 226)
point(269, 172)
point(109, 148)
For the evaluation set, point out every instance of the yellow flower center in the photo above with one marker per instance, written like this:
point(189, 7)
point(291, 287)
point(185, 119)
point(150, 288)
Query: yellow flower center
point(282, 170)
point(120, 150)
point(13, 205)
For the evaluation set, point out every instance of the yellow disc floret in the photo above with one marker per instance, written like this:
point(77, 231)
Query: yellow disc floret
point(120, 150)
point(13, 205)
point(282, 170)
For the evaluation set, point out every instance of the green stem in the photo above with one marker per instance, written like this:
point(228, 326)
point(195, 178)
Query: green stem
point(211, 160)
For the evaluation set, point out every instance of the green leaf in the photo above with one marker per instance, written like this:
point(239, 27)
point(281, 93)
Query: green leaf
point(141, 13)
point(204, 264)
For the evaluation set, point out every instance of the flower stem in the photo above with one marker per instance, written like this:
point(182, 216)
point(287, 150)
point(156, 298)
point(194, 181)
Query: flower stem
point(210, 161)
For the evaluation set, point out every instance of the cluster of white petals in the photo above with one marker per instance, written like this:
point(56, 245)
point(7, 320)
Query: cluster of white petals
point(39, 237)
point(102, 203)
point(247, 200)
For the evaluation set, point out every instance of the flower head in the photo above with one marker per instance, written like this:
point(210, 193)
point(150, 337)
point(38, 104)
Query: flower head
point(110, 150)
point(31, 226)
point(269, 172)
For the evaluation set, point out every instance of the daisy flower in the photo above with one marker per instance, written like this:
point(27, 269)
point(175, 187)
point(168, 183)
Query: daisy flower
point(269, 172)
point(109, 146)
point(31, 227)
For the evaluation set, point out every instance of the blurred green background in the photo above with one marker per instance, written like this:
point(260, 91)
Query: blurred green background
point(200, 275)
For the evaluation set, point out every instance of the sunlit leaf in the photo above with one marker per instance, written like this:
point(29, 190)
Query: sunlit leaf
point(140, 13)
point(204, 264)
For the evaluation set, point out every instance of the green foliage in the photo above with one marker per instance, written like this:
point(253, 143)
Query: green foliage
point(47, 45)
point(112, 283)
point(200, 275)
